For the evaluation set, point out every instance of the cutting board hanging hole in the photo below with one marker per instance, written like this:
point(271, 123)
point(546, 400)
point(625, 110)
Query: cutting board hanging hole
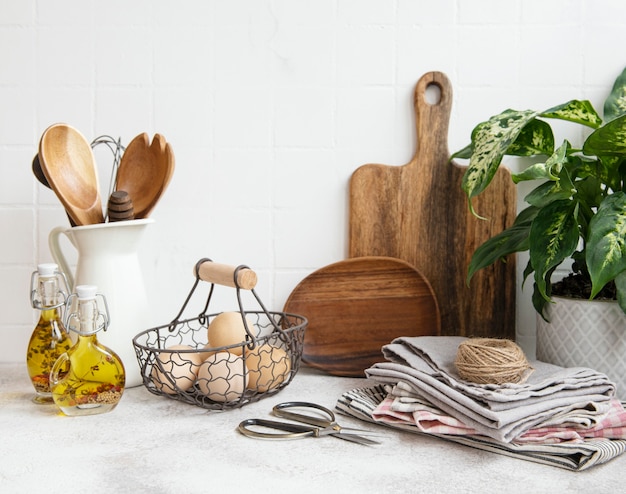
point(432, 94)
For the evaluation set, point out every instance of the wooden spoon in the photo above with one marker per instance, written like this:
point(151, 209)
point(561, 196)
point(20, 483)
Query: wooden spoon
point(68, 164)
point(145, 171)
point(38, 172)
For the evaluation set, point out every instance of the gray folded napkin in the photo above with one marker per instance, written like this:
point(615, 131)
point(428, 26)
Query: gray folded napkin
point(502, 412)
point(405, 400)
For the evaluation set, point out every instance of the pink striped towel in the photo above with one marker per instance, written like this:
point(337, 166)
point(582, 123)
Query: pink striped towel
point(428, 419)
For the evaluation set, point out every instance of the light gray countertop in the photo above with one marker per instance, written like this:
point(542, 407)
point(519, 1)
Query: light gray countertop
point(154, 444)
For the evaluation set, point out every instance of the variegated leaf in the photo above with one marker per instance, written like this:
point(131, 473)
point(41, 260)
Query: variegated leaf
point(615, 104)
point(606, 245)
point(551, 191)
point(582, 167)
point(559, 158)
point(608, 140)
point(554, 237)
point(539, 301)
point(465, 153)
point(491, 140)
point(547, 171)
point(620, 285)
point(535, 138)
point(528, 270)
point(577, 111)
point(513, 239)
point(526, 215)
point(590, 192)
point(538, 171)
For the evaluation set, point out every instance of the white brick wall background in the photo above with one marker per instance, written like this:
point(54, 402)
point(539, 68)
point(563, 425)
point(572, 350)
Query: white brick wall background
point(269, 105)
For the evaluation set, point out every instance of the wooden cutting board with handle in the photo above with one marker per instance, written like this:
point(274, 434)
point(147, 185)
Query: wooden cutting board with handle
point(418, 213)
point(356, 306)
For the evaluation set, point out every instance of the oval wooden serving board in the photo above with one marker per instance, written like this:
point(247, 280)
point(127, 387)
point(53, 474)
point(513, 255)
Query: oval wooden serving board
point(356, 306)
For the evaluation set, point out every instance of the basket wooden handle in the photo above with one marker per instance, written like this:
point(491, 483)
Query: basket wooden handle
point(223, 274)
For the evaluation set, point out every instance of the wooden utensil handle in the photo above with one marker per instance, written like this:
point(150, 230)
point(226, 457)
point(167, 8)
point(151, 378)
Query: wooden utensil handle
point(224, 274)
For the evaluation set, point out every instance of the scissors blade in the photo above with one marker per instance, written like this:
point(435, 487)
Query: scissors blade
point(354, 438)
point(352, 430)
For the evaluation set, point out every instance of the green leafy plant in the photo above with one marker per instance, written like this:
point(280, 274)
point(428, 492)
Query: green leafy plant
point(578, 210)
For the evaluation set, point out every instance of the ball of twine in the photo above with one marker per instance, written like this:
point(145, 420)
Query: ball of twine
point(492, 361)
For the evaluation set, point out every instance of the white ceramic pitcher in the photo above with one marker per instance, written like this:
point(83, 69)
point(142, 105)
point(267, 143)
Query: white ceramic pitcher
point(108, 258)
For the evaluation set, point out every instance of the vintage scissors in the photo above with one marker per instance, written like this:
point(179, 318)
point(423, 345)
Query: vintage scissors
point(321, 422)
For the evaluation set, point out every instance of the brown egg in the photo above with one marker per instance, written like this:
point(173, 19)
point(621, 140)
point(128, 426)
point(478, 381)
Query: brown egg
point(268, 367)
point(221, 377)
point(227, 329)
point(175, 371)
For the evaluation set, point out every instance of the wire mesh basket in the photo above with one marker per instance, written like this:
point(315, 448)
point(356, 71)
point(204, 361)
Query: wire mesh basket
point(257, 352)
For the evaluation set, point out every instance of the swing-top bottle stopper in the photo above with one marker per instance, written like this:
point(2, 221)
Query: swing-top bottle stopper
point(48, 287)
point(89, 316)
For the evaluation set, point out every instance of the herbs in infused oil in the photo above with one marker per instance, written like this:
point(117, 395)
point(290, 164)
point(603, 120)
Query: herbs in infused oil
point(89, 378)
point(49, 339)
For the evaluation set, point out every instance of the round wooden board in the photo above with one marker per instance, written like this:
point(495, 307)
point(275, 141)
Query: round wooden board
point(356, 306)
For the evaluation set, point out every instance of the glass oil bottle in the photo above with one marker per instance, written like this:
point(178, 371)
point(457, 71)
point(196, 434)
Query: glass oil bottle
point(49, 339)
point(89, 378)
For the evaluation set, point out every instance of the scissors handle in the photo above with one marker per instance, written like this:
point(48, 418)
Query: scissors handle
point(292, 431)
point(282, 410)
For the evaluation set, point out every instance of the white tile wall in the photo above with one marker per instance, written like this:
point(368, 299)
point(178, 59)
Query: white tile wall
point(270, 105)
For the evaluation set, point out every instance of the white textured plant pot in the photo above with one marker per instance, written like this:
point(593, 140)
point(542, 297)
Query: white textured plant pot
point(584, 333)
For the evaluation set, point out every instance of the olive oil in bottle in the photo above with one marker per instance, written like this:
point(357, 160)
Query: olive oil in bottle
point(89, 378)
point(49, 339)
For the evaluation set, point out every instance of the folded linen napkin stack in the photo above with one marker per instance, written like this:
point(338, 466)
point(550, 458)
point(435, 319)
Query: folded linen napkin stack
point(423, 382)
point(363, 403)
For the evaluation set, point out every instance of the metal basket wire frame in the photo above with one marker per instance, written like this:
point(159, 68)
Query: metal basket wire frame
point(220, 378)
